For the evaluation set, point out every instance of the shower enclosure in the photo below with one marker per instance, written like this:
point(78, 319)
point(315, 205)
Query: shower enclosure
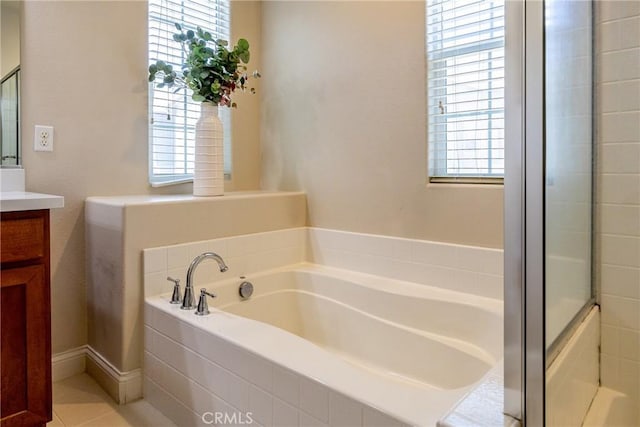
point(568, 164)
point(548, 191)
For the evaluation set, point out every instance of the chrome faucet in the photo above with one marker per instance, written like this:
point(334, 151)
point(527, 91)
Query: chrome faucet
point(175, 297)
point(189, 301)
point(203, 307)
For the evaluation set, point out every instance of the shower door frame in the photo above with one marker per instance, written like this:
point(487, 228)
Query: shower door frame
point(524, 245)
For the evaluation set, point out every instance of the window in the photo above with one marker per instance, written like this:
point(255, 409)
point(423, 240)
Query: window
point(173, 116)
point(465, 57)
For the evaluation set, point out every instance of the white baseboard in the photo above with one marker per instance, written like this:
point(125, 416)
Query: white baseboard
point(68, 363)
point(123, 387)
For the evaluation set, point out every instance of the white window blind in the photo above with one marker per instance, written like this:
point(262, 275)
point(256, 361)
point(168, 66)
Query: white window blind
point(173, 116)
point(465, 55)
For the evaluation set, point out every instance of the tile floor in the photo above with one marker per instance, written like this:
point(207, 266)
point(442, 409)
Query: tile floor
point(79, 401)
point(611, 409)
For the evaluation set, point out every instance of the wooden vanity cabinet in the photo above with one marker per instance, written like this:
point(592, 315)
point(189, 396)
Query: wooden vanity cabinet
point(25, 319)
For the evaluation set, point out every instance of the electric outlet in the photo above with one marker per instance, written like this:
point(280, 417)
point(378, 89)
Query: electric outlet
point(43, 138)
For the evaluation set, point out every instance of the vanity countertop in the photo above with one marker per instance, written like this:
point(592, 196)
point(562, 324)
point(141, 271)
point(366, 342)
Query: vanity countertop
point(26, 201)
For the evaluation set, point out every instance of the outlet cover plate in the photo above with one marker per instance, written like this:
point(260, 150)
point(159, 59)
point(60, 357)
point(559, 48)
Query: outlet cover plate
point(43, 138)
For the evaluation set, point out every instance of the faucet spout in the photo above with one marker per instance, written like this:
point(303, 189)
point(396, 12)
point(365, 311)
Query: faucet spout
point(189, 302)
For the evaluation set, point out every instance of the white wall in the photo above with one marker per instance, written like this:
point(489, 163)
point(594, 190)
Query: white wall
point(344, 119)
point(618, 92)
point(84, 68)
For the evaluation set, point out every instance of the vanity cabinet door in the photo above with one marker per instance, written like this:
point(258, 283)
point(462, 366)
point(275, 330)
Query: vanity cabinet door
point(25, 324)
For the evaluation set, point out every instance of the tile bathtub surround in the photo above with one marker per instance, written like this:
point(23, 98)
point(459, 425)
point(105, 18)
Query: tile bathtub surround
point(245, 254)
point(204, 374)
point(483, 406)
point(618, 193)
point(467, 269)
point(187, 376)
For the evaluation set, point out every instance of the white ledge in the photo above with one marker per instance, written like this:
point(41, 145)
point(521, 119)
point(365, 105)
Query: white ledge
point(152, 199)
point(11, 201)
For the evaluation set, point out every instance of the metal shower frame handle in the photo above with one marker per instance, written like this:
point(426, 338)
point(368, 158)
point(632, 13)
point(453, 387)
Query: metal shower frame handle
point(524, 332)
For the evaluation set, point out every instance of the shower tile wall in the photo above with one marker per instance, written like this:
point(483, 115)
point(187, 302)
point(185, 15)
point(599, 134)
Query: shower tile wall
point(618, 192)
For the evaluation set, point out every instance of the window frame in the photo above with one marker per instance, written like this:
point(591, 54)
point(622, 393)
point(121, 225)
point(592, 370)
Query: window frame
point(438, 138)
point(161, 180)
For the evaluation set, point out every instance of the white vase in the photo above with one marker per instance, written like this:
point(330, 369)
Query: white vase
point(208, 175)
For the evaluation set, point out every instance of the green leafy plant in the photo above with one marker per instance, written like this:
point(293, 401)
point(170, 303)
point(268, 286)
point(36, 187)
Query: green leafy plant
point(211, 70)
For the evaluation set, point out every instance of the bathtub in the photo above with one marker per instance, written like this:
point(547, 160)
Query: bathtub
point(393, 349)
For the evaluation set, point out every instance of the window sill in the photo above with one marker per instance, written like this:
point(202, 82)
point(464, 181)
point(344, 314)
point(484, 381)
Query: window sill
point(180, 180)
point(466, 180)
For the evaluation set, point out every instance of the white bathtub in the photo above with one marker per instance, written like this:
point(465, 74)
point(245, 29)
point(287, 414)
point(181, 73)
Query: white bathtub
point(409, 351)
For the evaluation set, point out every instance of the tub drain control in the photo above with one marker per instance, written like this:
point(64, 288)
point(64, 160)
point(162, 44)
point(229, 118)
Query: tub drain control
point(245, 290)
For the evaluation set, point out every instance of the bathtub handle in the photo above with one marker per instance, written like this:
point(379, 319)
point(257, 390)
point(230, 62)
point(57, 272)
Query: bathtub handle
point(203, 307)
point(175, 297)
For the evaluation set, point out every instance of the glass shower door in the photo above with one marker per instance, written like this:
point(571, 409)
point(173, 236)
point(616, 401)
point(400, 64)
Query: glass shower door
point(568, 162)
point(548, 190)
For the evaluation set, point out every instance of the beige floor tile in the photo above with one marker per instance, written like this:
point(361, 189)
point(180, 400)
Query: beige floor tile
point(111, 419)
point(79, 401)
point(55, 422)
point(79, 389)
point(611, 408)
point(74, 414)
point(142, 414)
